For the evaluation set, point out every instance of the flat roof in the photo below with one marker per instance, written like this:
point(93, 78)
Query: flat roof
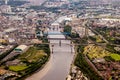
point(10, 30)
point(55, 34)
point(22, 47)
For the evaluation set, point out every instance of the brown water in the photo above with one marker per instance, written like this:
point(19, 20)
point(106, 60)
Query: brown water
point(59, 64)
point(61, 61)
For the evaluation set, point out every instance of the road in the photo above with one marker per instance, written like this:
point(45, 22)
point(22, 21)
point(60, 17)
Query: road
point(92, 65)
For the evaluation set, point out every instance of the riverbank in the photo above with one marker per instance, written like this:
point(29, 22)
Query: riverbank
point(58, 66)
point(43, 70)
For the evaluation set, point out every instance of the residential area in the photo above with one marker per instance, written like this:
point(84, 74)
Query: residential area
point(69, 39)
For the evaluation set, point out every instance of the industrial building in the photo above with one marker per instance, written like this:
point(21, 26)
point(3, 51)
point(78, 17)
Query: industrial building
point(21, 48)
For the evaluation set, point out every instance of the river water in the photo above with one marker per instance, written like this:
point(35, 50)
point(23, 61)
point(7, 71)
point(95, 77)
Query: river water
point(58, 66)
point(60, 62)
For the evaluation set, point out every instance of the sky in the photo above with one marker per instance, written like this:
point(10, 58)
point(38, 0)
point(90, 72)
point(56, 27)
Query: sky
point(36, 1)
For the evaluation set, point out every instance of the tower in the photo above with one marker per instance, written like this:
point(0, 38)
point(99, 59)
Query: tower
point(86, 25)
point(6, 2)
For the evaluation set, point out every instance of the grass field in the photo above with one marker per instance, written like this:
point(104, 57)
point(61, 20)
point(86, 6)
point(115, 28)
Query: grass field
point(95, 51)
point(17, 68)
point(81, 62)
point(30, 61)
point(32, 54)
point(116, 57)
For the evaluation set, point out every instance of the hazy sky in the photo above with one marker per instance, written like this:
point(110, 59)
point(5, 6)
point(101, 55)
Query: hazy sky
point(36, 1)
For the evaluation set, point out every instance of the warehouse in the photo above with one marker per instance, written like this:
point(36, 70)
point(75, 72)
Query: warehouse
point(10, 30)
point(21, 48)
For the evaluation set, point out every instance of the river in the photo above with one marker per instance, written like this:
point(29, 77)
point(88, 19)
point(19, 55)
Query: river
point(58, 66)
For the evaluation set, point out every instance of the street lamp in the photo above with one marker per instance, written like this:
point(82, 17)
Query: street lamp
point(71, 48)
point(60, 43)
point(52, 48)
point(71, 45)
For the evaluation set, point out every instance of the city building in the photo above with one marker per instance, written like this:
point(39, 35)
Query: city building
point(21, 48)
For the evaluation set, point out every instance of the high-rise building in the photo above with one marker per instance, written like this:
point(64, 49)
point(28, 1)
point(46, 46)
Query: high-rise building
point(6, 2)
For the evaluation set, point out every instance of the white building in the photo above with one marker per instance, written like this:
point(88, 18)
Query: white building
point(15, 18)
point(5, 9)
point(10, 30)
point(21, 48)
point(55, 26)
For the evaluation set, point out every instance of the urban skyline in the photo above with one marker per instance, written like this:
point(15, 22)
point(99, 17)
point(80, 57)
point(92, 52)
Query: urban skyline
point(59, 40)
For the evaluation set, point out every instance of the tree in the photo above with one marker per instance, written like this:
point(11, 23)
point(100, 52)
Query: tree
point(67, 29)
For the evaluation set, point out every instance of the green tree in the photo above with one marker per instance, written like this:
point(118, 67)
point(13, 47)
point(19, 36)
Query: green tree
point(68, 29)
